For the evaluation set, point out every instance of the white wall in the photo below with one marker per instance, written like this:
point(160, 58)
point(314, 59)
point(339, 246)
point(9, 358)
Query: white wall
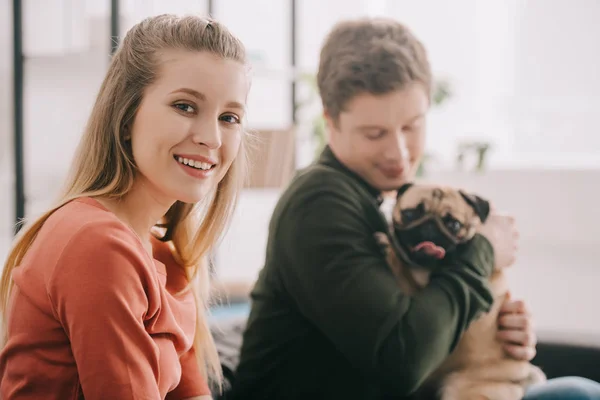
point(524, 75)
point(59, 94)
point(6, 126)
point(557, 89)
point(558, 269)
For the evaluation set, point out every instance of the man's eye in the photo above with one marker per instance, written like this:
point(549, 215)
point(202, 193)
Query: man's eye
point(230, 119)
point(186, 108)
point(375, 134)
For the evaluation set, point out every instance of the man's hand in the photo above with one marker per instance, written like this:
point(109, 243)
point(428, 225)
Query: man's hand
point(516, 330)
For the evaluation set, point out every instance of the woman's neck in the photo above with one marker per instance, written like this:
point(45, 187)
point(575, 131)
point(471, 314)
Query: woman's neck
point(140, 209)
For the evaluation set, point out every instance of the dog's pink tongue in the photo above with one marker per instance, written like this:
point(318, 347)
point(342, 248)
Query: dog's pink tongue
point(431, 249)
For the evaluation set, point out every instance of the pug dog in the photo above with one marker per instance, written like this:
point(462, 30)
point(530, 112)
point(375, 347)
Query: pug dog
point(429, 223)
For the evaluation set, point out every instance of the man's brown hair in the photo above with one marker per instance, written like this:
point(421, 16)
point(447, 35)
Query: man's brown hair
point(369, 55)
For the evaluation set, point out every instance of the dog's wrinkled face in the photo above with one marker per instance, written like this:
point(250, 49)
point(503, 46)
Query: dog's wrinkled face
point(430, 221)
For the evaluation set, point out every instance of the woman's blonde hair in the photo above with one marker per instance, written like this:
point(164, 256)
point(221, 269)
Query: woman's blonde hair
point(104, 165)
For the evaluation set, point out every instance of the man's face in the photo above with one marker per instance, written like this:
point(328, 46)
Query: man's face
point(382, 137)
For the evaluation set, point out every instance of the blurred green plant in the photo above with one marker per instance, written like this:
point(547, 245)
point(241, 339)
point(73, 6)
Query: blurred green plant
point(479, 149)
point(317, 123)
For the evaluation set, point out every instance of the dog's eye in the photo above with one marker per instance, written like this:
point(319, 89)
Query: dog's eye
point(413, 214)
point(409, 215)
point(452, 224)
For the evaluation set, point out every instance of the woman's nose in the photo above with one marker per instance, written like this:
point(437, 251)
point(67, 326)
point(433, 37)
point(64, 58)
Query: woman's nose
point(207, 132)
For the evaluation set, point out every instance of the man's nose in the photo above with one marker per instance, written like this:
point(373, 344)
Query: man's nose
point(207, 132)
point(397, 149)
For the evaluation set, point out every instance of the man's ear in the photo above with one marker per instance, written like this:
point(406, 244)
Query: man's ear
point(403, 189)
point(330, 124)
point(479, 205)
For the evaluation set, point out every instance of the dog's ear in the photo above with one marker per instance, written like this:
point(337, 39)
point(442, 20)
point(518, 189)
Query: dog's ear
point(403, 189)
point(480, 205)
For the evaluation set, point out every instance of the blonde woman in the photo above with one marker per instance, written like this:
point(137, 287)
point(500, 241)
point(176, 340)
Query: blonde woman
point(98, 295)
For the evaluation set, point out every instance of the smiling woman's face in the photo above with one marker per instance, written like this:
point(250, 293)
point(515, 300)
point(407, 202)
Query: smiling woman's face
point(187, 130)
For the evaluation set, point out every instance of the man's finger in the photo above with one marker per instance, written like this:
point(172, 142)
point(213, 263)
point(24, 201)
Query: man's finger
point(514, 306)
point(520, 352)
point(521, 338)
point(515, 321)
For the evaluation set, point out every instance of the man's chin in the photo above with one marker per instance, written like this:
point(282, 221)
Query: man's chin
point(390, 185)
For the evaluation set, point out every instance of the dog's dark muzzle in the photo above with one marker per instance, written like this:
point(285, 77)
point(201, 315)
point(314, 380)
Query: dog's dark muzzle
point(428, 228)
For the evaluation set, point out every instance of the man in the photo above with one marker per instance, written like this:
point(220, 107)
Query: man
point(328, 321)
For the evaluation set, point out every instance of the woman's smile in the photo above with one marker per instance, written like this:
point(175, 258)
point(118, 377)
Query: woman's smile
point(196, 166)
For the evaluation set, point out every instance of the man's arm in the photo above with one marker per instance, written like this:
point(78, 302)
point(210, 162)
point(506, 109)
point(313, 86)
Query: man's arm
point(340, 281)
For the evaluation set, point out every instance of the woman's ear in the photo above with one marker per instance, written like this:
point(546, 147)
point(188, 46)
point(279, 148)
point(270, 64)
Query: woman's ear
point(126, 133)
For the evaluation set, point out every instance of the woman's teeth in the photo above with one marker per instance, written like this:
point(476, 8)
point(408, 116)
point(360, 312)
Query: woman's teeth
point(194, 164)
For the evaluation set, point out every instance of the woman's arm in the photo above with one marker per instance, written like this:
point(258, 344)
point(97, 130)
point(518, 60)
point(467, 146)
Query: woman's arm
point(192, 384)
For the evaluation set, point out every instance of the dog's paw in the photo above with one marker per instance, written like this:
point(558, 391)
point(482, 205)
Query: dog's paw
point(382, 240)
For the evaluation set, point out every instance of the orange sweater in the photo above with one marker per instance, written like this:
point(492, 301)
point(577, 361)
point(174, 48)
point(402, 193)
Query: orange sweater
point(93, 314)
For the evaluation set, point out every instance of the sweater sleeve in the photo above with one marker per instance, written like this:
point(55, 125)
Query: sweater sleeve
point(339, 280)
point(192, 382)
point(101, 291)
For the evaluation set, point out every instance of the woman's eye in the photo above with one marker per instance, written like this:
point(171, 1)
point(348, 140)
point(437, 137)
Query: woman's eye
point(230, 119)
point(186, 108)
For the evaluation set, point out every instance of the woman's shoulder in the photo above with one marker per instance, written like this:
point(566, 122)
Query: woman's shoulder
point(80, 242)
point(84, 227)
point(84, 219)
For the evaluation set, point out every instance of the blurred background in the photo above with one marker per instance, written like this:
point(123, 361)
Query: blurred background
point(516, 119)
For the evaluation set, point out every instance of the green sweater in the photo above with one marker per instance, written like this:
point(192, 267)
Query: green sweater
point(327, 320)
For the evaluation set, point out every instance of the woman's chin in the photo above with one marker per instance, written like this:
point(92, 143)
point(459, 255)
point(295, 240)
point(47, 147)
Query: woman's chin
point(193, 191)
point(192, 195)
point(193, 198)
